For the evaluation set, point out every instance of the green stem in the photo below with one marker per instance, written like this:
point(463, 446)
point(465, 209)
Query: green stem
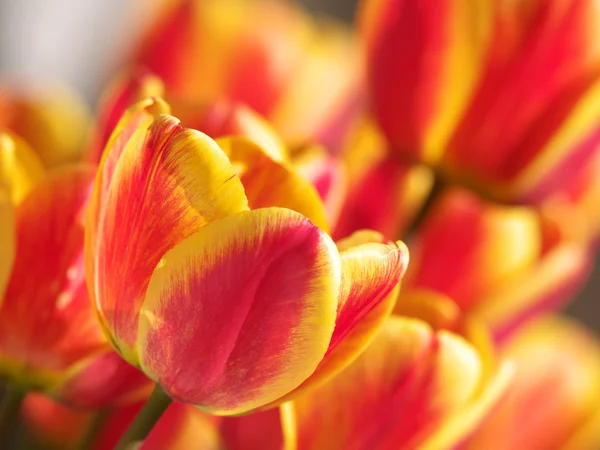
point(9, 412)
point(152, 410)
point(92, 430)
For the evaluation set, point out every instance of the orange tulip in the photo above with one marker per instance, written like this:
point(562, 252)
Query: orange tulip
point(418, 385)
point(501, 263)
point(195, 247)
point(498, 95)
point(555, 393)
point(300, 73)
point(49, 338)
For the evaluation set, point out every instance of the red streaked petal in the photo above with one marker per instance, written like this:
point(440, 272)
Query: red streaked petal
point(152, 191)
point(371, 274)
point(240, 313)
point(415, 50)
point(400, 389)
point(47, 326)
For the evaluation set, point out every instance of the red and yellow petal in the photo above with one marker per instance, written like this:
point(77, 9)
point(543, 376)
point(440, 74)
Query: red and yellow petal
point(47, 326)
point(126, 90)
point(401, 389)
point(554, 393)
point(102, 380)
point(271, 183)
point(162, 185)
point(53, 120)
point(414, 51)
point(371, 274)
point(543, 57)
point(468, 249)
point(241, 61)
point(242, 312)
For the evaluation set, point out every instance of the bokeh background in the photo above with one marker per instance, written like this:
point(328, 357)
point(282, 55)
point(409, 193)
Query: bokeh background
point(78, 41)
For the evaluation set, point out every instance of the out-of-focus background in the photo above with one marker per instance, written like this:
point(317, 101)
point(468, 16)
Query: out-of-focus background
point(76, 40)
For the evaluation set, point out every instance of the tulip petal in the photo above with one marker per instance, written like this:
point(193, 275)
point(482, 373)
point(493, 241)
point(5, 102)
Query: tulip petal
point(415, 50)
point(152, 191)
point(7, 241)
point(543, 58)
point(20, 171)
point(555, 389)
point(407, 381)
point(52, 119)
point(255, 295)
point(125, 91)
point(468, 248)
point(20, 168)
point(37, 349)
point(269, 183)
point(105, 379)
point(371, 273)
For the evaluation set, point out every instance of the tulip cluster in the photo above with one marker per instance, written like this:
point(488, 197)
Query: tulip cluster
point(215, 259)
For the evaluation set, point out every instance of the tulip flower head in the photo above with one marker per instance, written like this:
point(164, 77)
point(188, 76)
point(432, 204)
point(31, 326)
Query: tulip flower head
point(49, 337)
point(302, 74)
point(204, 276)
point(500, 96)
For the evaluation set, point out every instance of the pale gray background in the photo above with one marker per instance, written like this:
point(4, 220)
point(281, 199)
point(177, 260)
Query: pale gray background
point(73, 40)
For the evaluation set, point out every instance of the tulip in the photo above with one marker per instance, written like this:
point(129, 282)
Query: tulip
point(193, 248)
point(301, 74)
point(49, 338)
point(503, 264)
point(554, 394)
point(53, 121)
point(500, 96)
point(417, 385)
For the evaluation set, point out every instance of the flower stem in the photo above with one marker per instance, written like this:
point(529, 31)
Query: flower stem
point(152, 410)
point(9, 411)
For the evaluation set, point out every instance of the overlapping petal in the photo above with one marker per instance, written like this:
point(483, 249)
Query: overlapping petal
point(271, 183)
point(415, 50)
point(46, 323)
point(260, 292)
point(401, 388)
point(532, 120)
point(520, 118)
point(495, 261)
point(554, 393)
point(152, 191)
